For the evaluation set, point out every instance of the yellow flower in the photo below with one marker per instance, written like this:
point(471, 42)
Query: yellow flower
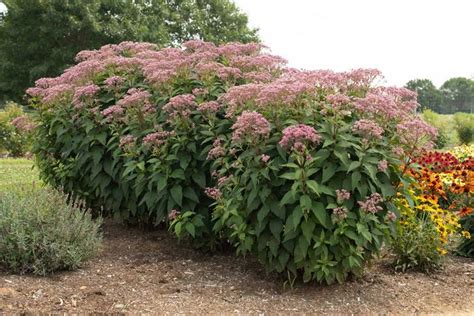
point(466, 234)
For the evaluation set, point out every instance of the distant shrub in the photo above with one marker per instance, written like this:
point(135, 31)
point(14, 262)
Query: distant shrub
point(41, 232)
point(465, 127)
point(14, 130)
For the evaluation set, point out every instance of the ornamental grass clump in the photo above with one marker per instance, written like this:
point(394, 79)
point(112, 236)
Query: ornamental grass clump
point(41, 232)
point(226, 144)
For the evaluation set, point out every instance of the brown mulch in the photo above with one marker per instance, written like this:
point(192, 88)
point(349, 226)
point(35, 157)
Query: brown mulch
point(148, 272)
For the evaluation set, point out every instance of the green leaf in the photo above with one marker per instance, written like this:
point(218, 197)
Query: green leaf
point(190, 194)
point(162, 182)
point(289, 176)
point(190, 229)
point(276, 227)
point(329, 170)
point(305, 202)
point(356, 176)
point(313, 186)
point(200, 179)
point(354, 165)
point(177, 194)
point(307, 226)
point(321, 214)
point(178, 174)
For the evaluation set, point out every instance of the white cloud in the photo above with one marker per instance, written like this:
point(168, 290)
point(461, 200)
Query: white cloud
point(406, 39)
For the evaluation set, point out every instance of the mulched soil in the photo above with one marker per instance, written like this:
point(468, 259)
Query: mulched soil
point(149, 272)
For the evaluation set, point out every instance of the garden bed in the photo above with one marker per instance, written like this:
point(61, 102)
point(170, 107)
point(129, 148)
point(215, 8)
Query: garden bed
point(148, 272)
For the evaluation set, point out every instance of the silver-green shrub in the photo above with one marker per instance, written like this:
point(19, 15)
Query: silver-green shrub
point(41, 231)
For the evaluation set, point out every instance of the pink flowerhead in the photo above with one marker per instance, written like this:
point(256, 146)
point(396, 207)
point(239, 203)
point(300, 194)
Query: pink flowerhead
point(340, 212)
point(367, 129)
point(391, 216)
point(157, 139)
point(180, 105)
point(217, 150)
point(113, 112)
point(343, 195)
point(135, 97)
point(371, 204)
point(298, 137)
point(416, 133)
point(210, 107)
point(264, 158)
point(213, 193)
point(250, 125)
point(173, 214)
point(84, 92)
point(382, 165)
point(114, 81)
point(23, 123)
point(126, 142)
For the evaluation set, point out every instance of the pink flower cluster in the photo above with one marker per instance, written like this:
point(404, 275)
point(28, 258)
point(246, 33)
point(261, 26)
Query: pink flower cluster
point(160, 66)
point(113, 112)
point(387, 103)
point(126, 142)
point(382, 165)
point(216, 151)
point(157, 139)
point(367, 129)
point(297, 137)
point(391, 216)
point(416, 133)
point(23, 123)
point(250, 125)
point(213, 193)
point(210, 107)
point(340, 212)
point(84, 92)
point(135, 97)
point(342, 195)
point(264, 158)
point(114, 81)
point(173, 214)
point(180, 105)
point(371, 204)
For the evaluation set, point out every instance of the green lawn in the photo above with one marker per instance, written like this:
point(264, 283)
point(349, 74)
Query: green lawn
point(17, 172)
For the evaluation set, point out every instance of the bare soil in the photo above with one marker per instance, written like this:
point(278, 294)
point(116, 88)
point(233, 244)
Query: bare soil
point(149, 272)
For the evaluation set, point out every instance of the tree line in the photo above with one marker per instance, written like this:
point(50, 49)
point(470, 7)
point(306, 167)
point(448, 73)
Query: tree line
point(455, 95)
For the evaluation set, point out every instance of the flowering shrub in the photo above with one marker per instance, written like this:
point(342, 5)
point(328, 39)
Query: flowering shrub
point(15, 127)
point(226, 144)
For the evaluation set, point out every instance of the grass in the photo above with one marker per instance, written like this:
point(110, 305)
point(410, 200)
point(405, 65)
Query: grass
point(16, 172)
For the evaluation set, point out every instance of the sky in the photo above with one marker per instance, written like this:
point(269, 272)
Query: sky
point(405, 39)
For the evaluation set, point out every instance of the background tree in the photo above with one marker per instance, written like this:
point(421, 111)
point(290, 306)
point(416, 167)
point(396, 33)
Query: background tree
point(39, 38)
point(458, 94)
point(429, 97)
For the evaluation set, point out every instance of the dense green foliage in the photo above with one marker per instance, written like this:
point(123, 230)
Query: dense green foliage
point(450, 127)
point(42, 232)
point(415, 246)
point(466, 248)
point(40, 38)
point(465, 127)
point(455, 95)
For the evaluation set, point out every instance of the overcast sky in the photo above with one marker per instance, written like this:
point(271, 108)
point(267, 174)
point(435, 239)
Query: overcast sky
point(405, 39)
